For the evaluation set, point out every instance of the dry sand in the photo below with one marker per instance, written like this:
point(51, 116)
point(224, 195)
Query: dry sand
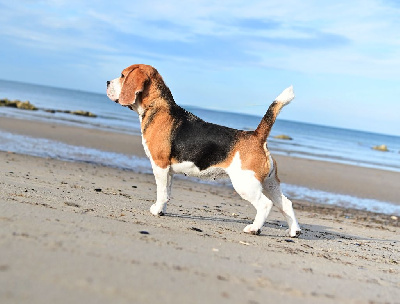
point(83, 233)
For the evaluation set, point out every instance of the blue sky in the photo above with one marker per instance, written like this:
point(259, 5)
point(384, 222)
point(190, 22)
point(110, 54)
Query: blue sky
point(342, 57)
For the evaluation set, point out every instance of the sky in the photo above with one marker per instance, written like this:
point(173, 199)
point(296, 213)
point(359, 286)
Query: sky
point(342, 57)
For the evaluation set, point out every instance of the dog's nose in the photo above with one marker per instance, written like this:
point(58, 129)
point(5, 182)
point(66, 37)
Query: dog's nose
point(108, 83)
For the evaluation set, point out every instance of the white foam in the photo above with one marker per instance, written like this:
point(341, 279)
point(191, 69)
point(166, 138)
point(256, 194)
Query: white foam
point(342, 200)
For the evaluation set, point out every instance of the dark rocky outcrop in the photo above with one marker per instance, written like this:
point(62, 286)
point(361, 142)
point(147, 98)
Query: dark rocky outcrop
point(26, 105)
point(23, 105)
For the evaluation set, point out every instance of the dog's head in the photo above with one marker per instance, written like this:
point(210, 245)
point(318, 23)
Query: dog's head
point(137, 86)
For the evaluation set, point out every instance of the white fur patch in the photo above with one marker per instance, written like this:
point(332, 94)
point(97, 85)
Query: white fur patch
point(189, 168)
point(163, 181)
point(244, 181)
point(114, 89)
point(286, 96)
point(146, 150)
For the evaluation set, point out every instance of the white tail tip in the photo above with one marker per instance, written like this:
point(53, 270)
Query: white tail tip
point(286, 96)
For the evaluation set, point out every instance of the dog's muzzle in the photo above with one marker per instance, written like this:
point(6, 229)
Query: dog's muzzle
point(108, 87)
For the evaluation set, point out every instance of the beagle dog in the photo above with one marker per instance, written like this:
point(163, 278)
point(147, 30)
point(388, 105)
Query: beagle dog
point(176, 141)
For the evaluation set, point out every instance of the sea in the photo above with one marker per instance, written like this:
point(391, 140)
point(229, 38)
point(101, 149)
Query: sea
point(308, 140)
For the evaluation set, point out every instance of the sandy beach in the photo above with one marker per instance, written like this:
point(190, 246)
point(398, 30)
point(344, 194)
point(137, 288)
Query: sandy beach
point(82, 233)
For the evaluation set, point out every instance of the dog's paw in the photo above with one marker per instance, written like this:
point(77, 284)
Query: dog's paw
point(295, 233)
point(252, 229)
point(157, 210)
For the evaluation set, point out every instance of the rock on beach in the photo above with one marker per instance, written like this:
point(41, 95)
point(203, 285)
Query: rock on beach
point(283, 136)
point(23, 105)
point(382, 148)
point(26, 105)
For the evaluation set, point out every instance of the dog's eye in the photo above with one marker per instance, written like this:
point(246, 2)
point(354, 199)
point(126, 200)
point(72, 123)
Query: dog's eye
point(122, 75)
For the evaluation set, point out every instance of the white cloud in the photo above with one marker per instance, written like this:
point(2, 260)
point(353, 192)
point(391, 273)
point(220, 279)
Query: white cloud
point(369, 27)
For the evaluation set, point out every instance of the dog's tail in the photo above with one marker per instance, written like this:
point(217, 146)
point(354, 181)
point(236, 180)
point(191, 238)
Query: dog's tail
point(269, 118)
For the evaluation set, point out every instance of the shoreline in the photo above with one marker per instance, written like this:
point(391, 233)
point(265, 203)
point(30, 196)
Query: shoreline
point(361, 182)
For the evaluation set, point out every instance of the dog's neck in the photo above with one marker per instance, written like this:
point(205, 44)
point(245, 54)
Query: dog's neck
point(156, 95)
point(154, 104)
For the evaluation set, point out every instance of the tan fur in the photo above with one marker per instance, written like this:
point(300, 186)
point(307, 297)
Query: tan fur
point(145, 79)
point(142, 86)
point(276, 170)
point(133, 81)
point(268, 121)
point(157, 138)
point(253, 157)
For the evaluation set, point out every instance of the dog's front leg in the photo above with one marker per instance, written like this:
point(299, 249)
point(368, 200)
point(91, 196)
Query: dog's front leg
point(163, 180)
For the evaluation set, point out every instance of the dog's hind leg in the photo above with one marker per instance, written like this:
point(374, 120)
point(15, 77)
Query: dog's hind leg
point(164, 181)
point(263, 206)
point(273, 191)
point(250, 188)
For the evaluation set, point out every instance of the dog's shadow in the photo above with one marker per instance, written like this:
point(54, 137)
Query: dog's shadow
point(208, 218)
point(276, 228)
point(308, 232)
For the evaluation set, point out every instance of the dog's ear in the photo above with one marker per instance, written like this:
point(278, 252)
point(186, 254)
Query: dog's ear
point(132, 87)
